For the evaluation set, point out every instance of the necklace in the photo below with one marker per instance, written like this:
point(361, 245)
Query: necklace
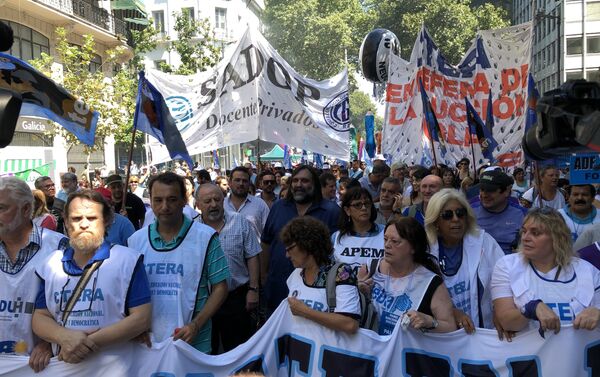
point(579, 224)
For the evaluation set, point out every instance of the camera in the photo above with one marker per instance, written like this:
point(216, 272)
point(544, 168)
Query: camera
point(568, 121)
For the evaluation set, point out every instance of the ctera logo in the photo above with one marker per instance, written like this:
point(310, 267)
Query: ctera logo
point(337, 113)
point(181, 110)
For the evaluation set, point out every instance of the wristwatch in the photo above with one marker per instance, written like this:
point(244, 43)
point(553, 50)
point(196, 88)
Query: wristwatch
point(434, 324)
point(250, 288)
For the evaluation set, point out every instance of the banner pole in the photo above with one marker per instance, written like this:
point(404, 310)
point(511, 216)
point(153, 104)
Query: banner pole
point(258, 168)
point(473, 155)
point(128, 172)
point(433, 151)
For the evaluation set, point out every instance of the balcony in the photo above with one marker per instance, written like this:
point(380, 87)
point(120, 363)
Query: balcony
point(86, 11)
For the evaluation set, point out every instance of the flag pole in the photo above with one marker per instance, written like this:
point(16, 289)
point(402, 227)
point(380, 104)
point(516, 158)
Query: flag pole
point(128, 172)
point(473, 155)
point(433, 149)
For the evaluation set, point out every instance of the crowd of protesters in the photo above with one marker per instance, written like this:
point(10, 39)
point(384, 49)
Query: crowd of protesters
point(435, 249)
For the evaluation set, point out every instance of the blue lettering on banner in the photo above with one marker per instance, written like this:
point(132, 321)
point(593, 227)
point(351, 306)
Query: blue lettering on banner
point(419, 363)
point(591, 358)
point(295, 353)
point(524, 366)
point(562, 310)
point(318, 306)
point(339, 362)
point(459, 288)
point(164, 269)
point(16, 307)
point(477, 368)
point(86, 296)
point(253, 365)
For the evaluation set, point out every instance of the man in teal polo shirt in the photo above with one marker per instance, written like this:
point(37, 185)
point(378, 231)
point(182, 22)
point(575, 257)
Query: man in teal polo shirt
point(181, 258)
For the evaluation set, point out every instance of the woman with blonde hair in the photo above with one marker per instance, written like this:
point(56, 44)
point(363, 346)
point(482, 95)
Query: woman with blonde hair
point(41, 216)
point(466, 255)
point(545, 284)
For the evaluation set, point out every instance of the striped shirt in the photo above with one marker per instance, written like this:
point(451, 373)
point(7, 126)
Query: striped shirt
point(238, 243)
point(26, 253)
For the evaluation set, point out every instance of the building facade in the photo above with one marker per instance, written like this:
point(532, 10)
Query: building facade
point(34, 23)
point(566, 39)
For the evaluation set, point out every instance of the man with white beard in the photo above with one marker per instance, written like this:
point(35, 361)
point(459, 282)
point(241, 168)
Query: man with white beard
point(112, 305)
point(231, 324)
point(23, 245)
point(304, 198)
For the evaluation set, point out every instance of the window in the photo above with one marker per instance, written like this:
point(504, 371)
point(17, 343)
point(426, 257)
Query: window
point(593, 75)
point(593, 11)
point(28, 44)
point(221, 18)
point(159, 20)
point(96, 63)
point(593, 44)
point(189, 12)
point(574, 46)
point(573, 75)
point(158, 63)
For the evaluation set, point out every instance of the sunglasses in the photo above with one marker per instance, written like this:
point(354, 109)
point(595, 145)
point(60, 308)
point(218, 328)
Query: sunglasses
point(360, 205)
point(449, 214)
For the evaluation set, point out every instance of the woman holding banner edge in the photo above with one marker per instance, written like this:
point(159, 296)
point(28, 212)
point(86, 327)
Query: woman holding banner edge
point(545, 285)
point(406, 286)
point(466, 256)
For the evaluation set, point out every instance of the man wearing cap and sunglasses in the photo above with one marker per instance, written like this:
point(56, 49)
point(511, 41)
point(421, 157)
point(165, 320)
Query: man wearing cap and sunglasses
point(134, 206)
point(495, 212)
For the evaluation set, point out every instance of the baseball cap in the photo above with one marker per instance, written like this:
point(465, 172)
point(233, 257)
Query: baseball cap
point(112, 179)
point(326, 166)
point(278, 165)
point(493, 180)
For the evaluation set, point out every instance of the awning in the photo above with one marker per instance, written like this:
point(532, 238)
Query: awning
point(139, 21)
point(137, 5)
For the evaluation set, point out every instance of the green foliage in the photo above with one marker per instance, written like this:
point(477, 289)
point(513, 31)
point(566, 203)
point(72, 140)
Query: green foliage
point(313, 35)
point(360, 103)
point(452, 23)
point(114, 100)
point(195, 45)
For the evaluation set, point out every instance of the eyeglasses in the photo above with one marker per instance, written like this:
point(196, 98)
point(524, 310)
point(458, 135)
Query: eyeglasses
point(360, 205)
point(49, 186)
point(288, 248)
point(449, 214)
point(269, 182)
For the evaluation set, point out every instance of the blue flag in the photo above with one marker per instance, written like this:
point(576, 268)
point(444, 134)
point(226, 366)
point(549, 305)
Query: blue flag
point(304, 159)
point(287, 157)
point(216, 163)
point(44, 98)
point(430, 119)
point(370, 134)
point(318, 160)
point(478, 129)
point(532, 98)
point(489, 118)
point(152, 117)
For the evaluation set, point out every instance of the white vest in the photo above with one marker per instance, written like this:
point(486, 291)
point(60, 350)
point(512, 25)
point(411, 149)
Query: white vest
point(483, 253)
point(567, 297)
point(357, 251)
point(174, 277)
point(393, 297)
point(102, 302)
point(17, 298)
point(314, 298)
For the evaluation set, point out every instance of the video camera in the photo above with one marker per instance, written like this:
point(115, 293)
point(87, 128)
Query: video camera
point(568, 121)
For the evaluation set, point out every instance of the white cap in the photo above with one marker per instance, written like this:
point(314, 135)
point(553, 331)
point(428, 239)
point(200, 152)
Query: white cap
point(379, 157)
point(278, 165)
point(326, 166)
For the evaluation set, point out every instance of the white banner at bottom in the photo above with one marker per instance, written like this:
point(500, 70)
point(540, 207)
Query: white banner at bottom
point(292, 346)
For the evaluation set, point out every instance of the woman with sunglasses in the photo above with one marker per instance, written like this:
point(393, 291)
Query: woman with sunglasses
point(359, 240)
point(545, 285)
point(407, 285)
point(308, 246)
point(466, 256)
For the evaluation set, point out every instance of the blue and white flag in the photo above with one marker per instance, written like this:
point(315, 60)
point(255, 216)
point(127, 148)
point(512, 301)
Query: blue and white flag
point(318, 160)
point(481, 132)
point(287, 157)
point(42, 97)
point(304, 159)
point(152, 116)
point(216, 163)
point(370, 134)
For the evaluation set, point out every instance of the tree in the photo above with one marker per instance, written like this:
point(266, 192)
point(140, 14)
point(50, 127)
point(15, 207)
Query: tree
point(195, 45)
point(360, 103)
point(451, 23)
point(313, 35)
point(113, 99)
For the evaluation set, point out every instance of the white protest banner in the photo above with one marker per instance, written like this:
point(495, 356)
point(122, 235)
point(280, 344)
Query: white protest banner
point(497, 62)
point(292, 346)
point(255, 94)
